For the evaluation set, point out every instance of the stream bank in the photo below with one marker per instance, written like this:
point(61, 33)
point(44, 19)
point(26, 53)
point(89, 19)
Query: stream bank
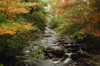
point(57, 51)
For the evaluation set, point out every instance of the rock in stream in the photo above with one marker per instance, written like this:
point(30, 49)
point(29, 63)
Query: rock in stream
point(60, 51)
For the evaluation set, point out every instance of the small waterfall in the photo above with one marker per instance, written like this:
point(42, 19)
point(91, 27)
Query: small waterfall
point(61, 50)
point(51, 40)
point(68, 60)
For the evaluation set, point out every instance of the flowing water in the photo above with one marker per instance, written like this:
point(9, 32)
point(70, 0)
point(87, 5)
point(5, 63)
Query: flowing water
point(68, 51)
point(63, 52)
point(50, 42)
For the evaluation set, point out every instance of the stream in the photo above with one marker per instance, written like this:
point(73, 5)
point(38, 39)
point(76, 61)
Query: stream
point(60, 51)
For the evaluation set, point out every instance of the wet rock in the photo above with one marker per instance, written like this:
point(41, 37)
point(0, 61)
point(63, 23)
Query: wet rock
point(84, 55)
point(24, 58)
point(60, 41)
point(54, 53)
point(71, 50)
point(57, 60)
point(74, 45)
point(67, 62)
point(47, 35)
point(49, 49)
point(63, 50)
point(55, 50)
point(50, 55)
point(75, 56)
point(30, 63)
point(67, 39)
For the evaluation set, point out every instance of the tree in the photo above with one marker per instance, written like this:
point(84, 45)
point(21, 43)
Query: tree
point(78, 18)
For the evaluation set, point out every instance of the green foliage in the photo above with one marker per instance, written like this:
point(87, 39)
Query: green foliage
point(17, 28)
point(1, 64)
point(53, 22)
point(77, 19)
point(38, 53)
point(9, 46)
point(12, 45)
point(37, 16)
point(2, 17)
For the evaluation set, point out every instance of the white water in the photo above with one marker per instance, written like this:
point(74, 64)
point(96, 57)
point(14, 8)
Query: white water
point(68, 60)
point(51, 40)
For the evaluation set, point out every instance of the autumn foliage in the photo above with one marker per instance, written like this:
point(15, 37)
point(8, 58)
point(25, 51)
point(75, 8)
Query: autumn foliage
point(19, 22)
point(13, 27)
point(78, 18)
point(9, 9)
